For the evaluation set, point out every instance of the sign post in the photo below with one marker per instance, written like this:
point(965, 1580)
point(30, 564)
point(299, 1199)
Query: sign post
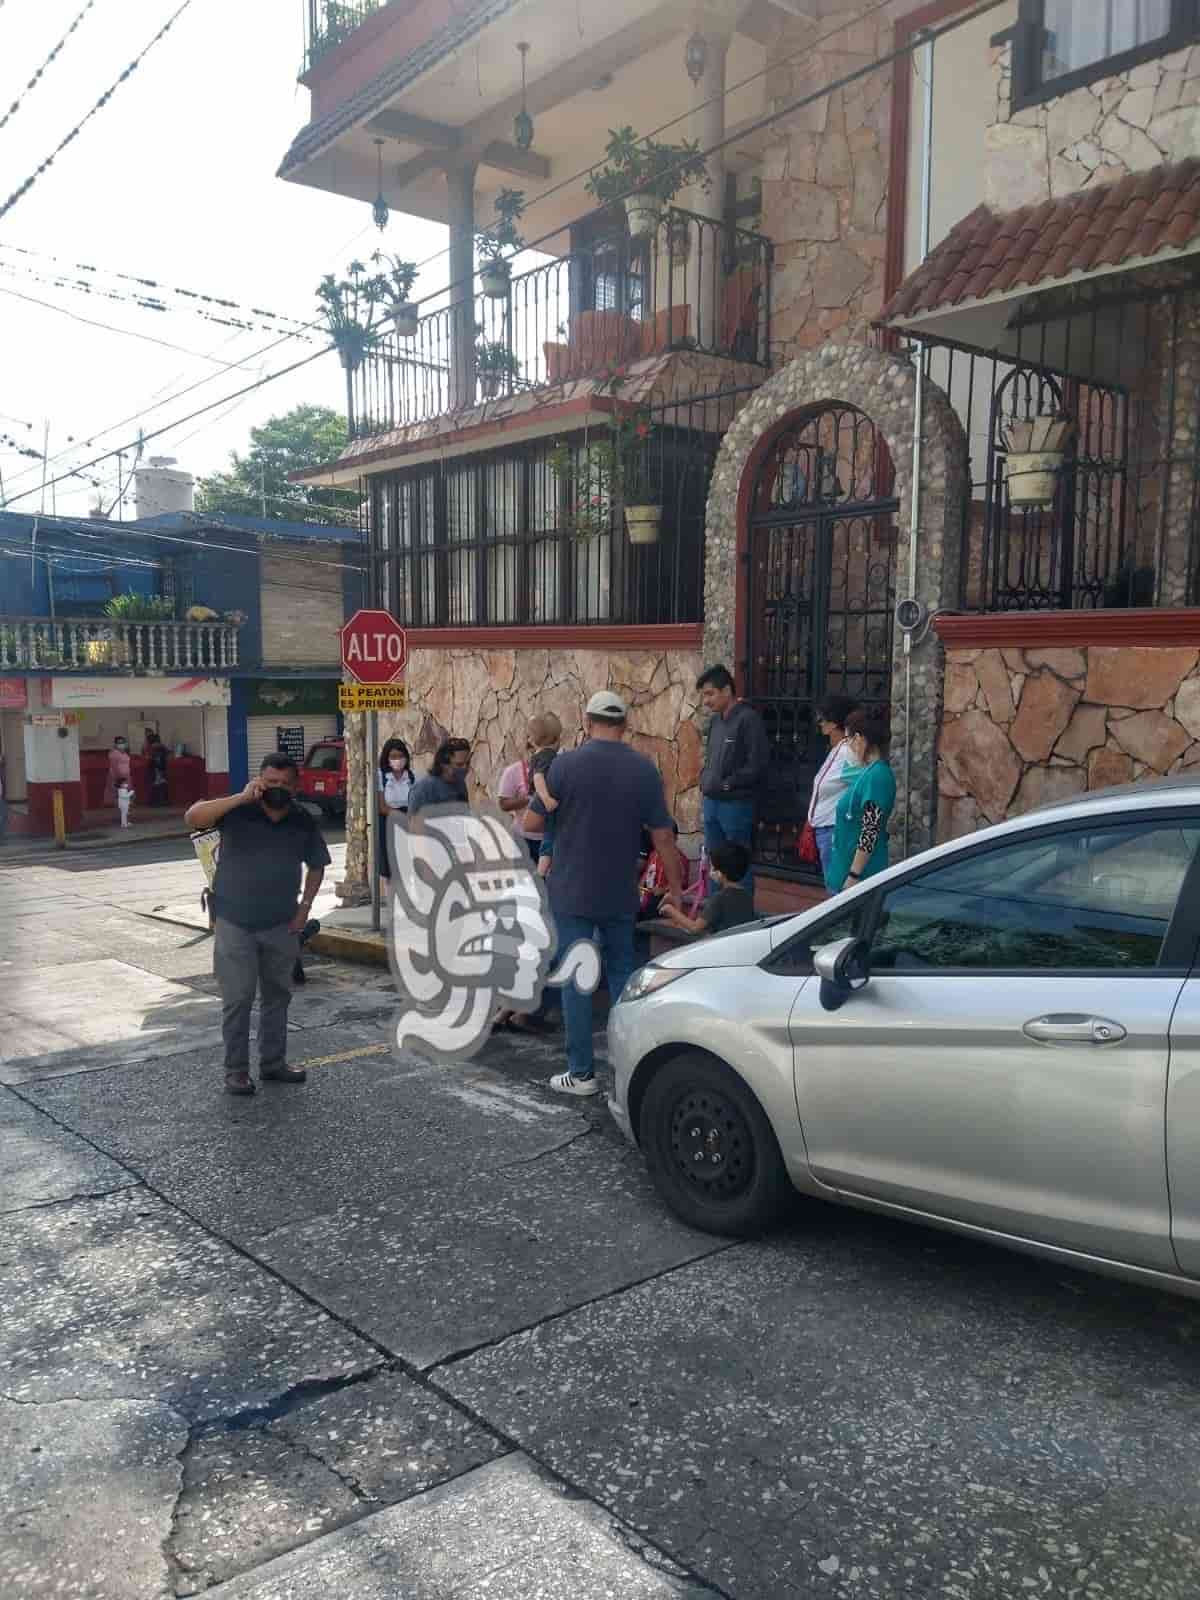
point(374, 655)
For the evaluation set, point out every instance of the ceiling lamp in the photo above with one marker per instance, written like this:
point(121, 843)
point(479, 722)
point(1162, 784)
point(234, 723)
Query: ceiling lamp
point(523, 122)
point(380, 209)
point(695, 56)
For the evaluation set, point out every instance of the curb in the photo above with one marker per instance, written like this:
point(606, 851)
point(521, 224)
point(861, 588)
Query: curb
point(368, 949)
point(18, 855)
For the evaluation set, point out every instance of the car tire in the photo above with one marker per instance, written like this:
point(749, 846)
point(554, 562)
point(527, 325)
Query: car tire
point(711, 1151)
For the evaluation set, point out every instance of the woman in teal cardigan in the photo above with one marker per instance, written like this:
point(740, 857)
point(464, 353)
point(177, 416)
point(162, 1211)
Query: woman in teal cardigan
point(860, 841)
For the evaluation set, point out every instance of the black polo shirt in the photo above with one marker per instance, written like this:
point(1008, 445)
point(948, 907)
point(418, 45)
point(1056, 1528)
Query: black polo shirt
point(259, 866)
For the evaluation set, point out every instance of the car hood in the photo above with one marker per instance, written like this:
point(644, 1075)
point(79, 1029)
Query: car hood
point(739, 947)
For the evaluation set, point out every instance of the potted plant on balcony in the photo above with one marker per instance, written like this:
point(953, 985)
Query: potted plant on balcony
point(497, 244)
point(643, 511)
point(351, 308)
point(1036, 448)
point(494, 363)
point(645, 175)
point(587, 474)
point(398, 278)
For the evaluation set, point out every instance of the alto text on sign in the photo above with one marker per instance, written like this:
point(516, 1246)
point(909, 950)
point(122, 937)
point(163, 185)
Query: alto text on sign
point(372, 696)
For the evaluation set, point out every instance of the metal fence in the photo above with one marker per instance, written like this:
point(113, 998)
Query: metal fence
point(329, 22)
point(538, 533)
point(695, 284)
point(1119, 529)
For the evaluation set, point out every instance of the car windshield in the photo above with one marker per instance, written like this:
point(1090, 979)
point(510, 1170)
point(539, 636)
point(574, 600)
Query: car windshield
point(324, 758)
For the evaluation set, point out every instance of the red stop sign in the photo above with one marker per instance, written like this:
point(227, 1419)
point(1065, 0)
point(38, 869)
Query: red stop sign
point(374, 647)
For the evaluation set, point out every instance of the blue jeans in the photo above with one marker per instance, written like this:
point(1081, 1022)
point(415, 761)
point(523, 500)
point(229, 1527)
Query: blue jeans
point(824, 838)
point(732, 820)
point(615, 938)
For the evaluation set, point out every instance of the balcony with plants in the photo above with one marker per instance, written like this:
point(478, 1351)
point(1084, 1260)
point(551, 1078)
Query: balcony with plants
point(329, 23)
point(643, 279)
point(137, 634)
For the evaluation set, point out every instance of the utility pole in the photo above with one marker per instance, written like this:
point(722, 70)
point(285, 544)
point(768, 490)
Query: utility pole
point(262, 487)
point(45, 461)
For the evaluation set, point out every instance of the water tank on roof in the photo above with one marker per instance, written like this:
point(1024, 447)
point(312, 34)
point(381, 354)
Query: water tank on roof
point(162, 487)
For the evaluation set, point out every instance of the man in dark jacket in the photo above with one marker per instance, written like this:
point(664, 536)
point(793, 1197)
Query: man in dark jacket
point(735, 764)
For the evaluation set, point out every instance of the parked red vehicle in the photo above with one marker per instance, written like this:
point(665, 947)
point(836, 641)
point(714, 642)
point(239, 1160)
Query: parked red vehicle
point(323, 776)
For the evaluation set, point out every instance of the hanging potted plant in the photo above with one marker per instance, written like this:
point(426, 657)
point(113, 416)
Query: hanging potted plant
point(498, 243)
point(587, 473)
point(1036, 449)
point(645, 175)
point(494, 363)
point(351, 308)
point(643, 510)
point(398, 277)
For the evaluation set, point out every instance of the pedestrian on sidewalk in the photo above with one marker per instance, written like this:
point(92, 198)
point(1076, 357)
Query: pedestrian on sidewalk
point(607, 792)
point(119, 771)
point(396, 784)
point(447, 779)
point(260, 912)
point(520, 782)
point(830, 783)
point(735, 765)
point(860, 838)
point(157, 756)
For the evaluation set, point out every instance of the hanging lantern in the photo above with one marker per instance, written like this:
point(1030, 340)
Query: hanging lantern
point(380, 210)
point(523, 122)
point(695, 56)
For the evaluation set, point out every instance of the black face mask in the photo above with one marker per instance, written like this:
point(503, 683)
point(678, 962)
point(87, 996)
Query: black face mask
point(277, 797)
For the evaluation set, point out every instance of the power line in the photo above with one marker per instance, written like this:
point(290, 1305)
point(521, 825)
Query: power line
point(222, 302)
point(107, 327)
point(36, 79)
point(128, 530)
point(20, 192)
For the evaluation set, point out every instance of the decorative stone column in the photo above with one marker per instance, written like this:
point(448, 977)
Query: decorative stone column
point(355, 887)
point(883, 387)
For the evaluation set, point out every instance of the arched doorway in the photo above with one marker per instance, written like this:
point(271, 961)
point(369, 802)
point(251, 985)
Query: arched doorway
point(820, 591)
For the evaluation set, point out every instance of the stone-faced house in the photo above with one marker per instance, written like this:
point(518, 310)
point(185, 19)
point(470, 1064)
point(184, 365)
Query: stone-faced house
point(830, 349)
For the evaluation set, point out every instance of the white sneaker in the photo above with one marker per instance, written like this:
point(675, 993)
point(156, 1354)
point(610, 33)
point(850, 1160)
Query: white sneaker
point(566, 1083)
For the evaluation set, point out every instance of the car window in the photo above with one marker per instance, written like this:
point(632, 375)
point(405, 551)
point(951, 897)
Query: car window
point(324, 758)
point(796, 956)
point(1092, 898)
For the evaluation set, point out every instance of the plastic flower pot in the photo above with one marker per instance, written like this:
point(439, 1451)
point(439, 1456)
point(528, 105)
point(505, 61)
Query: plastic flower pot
point(404, 319)
point(1033, 476)
point(494, 277)
point(644, 212)
point(642, 523)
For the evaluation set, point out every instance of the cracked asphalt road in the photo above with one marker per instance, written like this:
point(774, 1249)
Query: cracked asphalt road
point(424, 1332)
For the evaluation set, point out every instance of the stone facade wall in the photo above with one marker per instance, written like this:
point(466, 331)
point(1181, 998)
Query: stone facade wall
point(1127, 123)
point(1023, 726)
point(884, 388)
point(825, 172)
point(489, 695)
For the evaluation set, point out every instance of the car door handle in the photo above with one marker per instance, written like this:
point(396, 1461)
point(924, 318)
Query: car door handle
point(1071, 1027)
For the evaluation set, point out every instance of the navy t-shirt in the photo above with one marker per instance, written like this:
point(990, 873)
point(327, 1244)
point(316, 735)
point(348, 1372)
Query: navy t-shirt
point(259, 867)
point(607, 793)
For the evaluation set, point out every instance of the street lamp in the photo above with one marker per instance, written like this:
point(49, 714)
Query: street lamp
point(523, 122)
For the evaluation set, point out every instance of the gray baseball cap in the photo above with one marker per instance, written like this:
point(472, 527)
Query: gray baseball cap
point(604, 703)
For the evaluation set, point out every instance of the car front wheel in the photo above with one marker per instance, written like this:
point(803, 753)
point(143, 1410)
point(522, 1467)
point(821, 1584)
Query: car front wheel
point(710, 1149)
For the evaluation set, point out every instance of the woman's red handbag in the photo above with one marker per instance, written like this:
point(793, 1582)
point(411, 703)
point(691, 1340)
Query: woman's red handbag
point(806, 848)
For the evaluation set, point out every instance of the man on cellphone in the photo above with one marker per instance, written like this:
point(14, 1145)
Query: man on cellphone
point(260, 913)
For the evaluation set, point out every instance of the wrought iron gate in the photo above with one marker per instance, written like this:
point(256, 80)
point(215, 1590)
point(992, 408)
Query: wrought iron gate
point(820, 593)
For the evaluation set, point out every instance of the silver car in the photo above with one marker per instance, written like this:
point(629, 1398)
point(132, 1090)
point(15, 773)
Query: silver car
point(1000, 1036)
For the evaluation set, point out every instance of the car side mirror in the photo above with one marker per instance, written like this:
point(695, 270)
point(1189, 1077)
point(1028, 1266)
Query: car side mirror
point(843, 967)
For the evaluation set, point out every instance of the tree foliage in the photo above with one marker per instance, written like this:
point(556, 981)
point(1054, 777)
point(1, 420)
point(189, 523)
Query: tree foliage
point(306, 436)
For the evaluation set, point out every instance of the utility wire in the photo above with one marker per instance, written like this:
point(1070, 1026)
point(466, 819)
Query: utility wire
point(23, 189)
point(127, 333)
point(37, 77)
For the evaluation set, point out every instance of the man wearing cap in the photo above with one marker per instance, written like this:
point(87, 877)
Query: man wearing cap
point(607, 793)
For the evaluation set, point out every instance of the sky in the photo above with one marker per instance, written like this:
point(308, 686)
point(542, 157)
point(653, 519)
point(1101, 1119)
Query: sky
point(174, 179)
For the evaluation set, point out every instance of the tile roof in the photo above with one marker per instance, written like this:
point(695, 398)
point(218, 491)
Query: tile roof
point(990, 253)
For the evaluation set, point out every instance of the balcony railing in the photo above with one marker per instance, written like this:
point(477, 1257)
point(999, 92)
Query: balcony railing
point(93, 644)
point(328, 22)
point(696, 284)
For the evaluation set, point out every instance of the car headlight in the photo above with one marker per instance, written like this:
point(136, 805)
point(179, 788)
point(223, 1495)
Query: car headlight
point(647, 979)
